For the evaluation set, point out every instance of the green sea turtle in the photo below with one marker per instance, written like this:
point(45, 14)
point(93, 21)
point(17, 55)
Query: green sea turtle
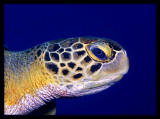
point(60, 68)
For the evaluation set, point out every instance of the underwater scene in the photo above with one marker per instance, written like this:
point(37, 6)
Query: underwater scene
point(123, 35)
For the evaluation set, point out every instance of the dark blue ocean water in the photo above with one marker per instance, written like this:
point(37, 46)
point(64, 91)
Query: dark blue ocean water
point(132, 26)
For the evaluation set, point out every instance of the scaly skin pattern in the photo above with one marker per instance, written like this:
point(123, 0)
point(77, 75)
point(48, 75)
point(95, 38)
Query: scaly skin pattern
point(60, 68)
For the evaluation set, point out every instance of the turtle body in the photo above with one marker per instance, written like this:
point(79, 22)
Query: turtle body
point(60, 68)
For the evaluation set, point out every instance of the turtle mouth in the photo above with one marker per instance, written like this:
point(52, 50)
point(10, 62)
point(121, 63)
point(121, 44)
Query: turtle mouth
point(96, 89)
point(92, 87)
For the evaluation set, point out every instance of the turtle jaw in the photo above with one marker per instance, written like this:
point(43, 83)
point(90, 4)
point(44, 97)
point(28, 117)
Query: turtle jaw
point(93, 86)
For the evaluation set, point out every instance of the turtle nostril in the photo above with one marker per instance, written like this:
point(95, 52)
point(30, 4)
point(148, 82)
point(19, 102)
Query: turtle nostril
point(125, 52)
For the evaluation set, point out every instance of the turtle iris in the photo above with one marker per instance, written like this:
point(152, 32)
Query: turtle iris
point(99, 53)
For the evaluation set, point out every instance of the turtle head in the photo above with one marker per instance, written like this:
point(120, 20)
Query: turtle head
point(87, 65)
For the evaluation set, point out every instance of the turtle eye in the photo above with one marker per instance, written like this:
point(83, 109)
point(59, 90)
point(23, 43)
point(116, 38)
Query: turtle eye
point(99, 53)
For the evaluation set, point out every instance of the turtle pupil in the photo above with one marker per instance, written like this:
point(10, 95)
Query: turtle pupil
point(99, 52)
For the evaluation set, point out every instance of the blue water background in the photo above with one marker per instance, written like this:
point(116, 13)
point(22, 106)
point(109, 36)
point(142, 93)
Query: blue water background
point(131, 25)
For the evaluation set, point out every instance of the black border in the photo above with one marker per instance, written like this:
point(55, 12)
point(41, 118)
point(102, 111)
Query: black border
point(3, 2)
